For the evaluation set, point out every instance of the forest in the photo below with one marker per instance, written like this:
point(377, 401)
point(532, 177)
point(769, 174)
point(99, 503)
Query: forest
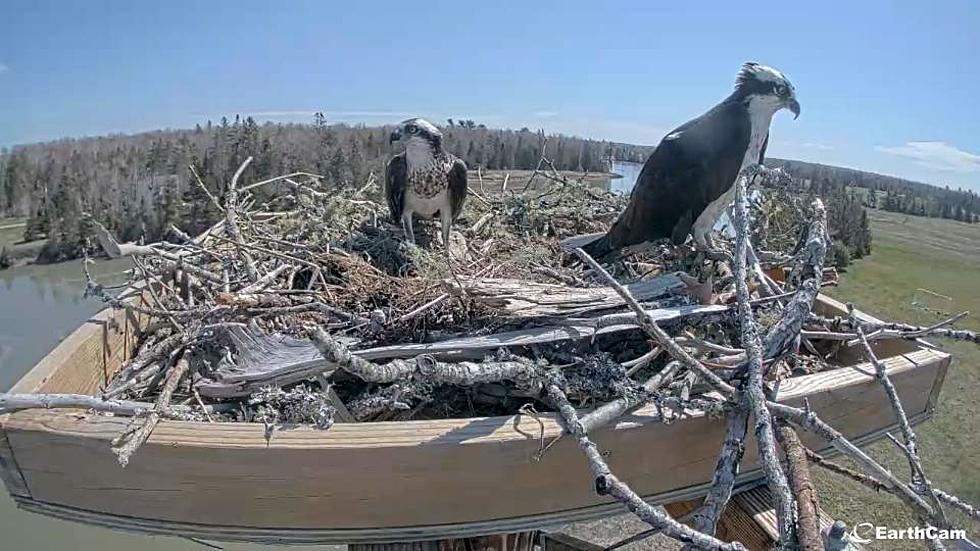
point(888, 192)
point(141, 185)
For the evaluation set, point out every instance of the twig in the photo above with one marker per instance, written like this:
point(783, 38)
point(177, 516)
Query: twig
point(650, 326)
point(606, 482)
point(17, 402)
point(807, 503)
point(126, 444)
point(919, 481)
point(753, 389)
point(705, 518)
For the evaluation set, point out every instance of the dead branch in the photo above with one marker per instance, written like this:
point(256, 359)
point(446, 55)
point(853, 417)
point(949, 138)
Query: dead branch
point(753, 389)
point(606, 482)
point(16, 402)
point(650, 326)
point(807, 503)
point(126, 444)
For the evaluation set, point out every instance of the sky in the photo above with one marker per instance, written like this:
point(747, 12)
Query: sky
point(890, 87)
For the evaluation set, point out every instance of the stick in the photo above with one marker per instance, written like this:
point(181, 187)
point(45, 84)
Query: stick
point(231, 221)
point(807, 502)
point(10, 403)
point(650, 326)
point(606, 482)
point(126, 444)
point(706, 516)
point(919, 481)
point(807, 419)
point(523, 372)
point(753, 389)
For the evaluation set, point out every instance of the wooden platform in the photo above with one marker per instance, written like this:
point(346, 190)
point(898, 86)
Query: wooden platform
point(385, 482)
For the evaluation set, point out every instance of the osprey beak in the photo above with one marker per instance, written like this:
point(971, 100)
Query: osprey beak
point(794, 106)
point(395, 136)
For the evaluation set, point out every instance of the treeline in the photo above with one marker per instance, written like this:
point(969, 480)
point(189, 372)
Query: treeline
point(140, 185)
point(890, 193)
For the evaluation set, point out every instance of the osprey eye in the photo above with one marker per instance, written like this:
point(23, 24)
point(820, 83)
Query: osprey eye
point(781, 89)
point(412, 129)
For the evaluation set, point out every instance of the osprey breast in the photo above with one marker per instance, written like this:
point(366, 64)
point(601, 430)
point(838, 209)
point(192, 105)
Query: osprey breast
point(428, 181)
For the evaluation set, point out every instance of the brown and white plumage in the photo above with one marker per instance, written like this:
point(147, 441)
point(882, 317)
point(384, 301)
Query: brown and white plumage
point(425, 180)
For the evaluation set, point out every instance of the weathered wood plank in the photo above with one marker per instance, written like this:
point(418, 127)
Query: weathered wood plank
point(571, 329)
point(531, 299)
point(10, 473)
point(557, 541)
point(751, 519)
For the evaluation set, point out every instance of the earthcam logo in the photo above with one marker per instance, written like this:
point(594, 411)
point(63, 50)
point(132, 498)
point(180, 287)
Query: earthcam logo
point(867, 532)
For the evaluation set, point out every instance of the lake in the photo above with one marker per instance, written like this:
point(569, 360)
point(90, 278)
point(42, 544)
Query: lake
point(629, 172)
point(40, 306)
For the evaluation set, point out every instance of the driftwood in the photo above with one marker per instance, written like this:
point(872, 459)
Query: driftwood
point(530, 299)
point(16, 402)
point(126, 444)
point(807, 502)
point(606, 482)
point(463, 374)
point(754, 386)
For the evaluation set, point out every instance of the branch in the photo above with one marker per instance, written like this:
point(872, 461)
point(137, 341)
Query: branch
point(523, 372)
point(10, 403)
point(807, 503)
point(651, 328)
point(753, 389)
point(706, 517)
point(126, 444)
point(606, 482)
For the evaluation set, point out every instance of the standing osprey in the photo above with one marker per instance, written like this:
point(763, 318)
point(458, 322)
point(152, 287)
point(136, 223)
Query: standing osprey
point(424, 180)
point(689, 179)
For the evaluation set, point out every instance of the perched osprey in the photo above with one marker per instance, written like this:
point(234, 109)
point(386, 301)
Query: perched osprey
point(424, 180)
point(688, 180)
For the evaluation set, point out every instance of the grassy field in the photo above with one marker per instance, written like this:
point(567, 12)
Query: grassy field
point(913, 261)
point(11, 230)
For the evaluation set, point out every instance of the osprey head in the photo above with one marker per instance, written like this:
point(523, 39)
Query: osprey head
point(416, 132)
point(767, 87)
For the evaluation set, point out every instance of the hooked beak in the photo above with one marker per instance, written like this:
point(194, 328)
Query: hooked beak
point(794, 106)
point(395, 136)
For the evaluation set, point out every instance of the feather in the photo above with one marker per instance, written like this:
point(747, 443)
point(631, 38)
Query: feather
point(396, 181)
point(457, 187)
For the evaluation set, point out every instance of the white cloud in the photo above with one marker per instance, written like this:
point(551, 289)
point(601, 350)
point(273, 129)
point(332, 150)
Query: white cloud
point(328, 114)
point(3, 68)
point(820, 146)
point(936, 155)
point(545, 114)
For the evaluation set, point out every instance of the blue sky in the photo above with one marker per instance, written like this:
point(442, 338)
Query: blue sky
point(892, 87)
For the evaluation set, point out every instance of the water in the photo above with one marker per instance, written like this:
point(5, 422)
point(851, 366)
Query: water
point(629, 172)
point(40, 306)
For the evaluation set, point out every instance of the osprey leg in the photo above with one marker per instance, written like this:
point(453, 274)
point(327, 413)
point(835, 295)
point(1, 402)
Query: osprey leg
point(407, 226)
point(446, 218)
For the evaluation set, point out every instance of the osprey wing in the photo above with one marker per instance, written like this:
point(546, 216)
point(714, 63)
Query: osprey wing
point(694, 165)
point(396, 181)
point(457, 187)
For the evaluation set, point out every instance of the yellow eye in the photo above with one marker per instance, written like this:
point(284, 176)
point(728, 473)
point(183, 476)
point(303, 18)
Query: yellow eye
point(781, 89)
point(412, 129)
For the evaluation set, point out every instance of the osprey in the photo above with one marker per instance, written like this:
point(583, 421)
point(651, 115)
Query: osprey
point(424, 180)
point(689, 178)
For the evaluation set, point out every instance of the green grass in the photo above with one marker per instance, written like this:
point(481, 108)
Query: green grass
point(912, 258)
point(11, 230)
